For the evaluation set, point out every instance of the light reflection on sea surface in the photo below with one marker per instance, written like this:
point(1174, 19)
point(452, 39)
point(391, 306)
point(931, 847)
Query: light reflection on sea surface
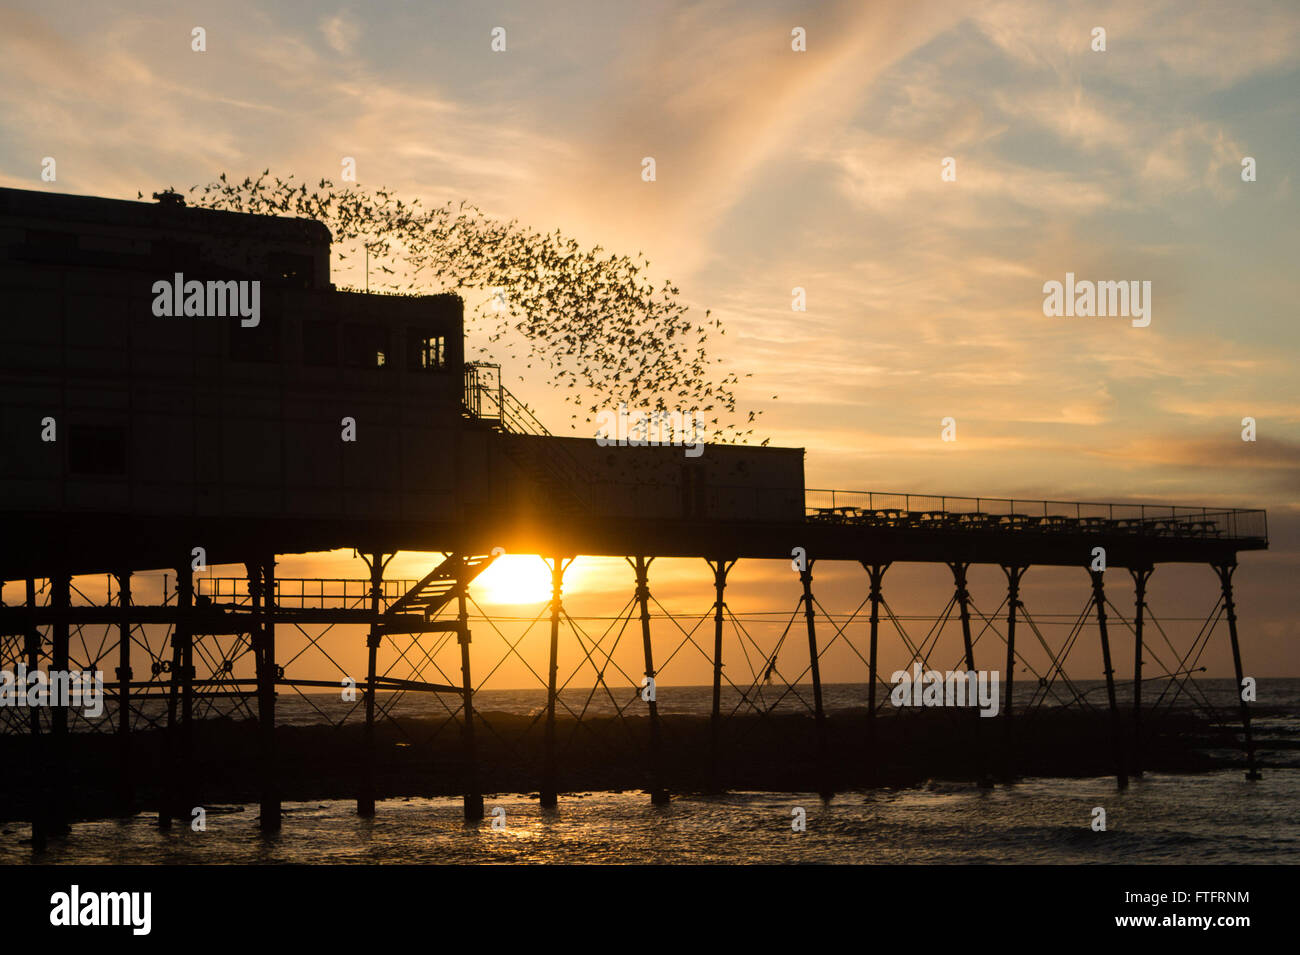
point(1212, 818)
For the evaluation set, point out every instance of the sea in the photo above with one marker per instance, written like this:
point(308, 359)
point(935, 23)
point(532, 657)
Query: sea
point(1204, 818)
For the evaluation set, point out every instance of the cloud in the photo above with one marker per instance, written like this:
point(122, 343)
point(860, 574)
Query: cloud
point(777, 169)
point(887, 175)
point(1188, 42)
point(1229, 409)
point(341, 32)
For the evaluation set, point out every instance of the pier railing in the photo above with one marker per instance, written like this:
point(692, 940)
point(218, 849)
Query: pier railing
point(928, 512)
point(319, 592)
point(932, 511)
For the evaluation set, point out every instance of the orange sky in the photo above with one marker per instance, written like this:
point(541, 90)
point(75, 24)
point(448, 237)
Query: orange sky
point(821, 170)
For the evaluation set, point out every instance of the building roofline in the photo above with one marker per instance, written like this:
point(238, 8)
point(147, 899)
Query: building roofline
point(158, 215)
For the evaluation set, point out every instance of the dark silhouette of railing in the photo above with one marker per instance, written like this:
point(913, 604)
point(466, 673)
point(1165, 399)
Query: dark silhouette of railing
point(482, 398)
point(983, 513)
point(304, 591)
point(924, 512)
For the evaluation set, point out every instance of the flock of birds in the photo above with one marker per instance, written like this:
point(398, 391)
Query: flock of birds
point(600, 330)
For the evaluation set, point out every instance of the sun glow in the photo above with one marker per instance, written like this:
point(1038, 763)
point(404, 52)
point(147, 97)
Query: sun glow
point(514, 579)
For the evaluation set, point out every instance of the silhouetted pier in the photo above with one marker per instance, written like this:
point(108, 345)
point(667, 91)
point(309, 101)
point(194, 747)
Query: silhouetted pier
point(172, 434)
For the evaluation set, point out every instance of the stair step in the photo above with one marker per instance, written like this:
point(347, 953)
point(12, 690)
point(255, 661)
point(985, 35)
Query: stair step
point(439, 587)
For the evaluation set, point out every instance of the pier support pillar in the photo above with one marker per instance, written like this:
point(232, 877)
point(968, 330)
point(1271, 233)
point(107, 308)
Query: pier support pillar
point(814, 663)
point(959, 570)
point(61, 598)
point(1140, 577)
point(183, 637)
point(32, 655)
point(721, 567)
point(1116, 738)
point(125, 783)
point(549, 793)
point(366, 798)
point(261, 586)
point(1225, 572)
point(658, 794)
point(1014, 572)
point(876, 576)
point(169, 798)
point(473, 796)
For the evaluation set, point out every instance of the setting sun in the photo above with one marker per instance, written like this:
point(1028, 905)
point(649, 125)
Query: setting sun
point(515, 579)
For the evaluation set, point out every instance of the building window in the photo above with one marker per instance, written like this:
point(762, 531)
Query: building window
point(97, 450)
point(365, 346)
point(428, 351)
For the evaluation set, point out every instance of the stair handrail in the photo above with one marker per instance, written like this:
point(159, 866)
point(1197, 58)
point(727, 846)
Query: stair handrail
point(518, 418)
point(475, 389)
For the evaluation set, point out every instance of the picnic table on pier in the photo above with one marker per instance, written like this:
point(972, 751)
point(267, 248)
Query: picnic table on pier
point(838, 513)
point(1054, 521)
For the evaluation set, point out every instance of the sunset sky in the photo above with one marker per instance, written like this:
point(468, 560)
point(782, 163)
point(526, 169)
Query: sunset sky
point(818, 169)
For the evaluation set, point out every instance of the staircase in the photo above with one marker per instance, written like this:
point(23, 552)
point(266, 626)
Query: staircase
point(549, 465)
point(440, 586)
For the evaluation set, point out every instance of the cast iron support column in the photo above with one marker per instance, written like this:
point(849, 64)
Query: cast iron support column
point(876, 575)
point(32, 649)
point(549, 796)
point(473, 797)
point(125, 784)
point(720, 569)
point(959, 569)
point(1140, 577)
point(1225, 581)
point(1116, 742)
point(255, 588)
point(658, 794)
point(963, 608)
point(1014, 574)
point(184, 638)
point(805, 577)
point(168, 796)
point(366, 799)
point(61, 597)
point(263, 572)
